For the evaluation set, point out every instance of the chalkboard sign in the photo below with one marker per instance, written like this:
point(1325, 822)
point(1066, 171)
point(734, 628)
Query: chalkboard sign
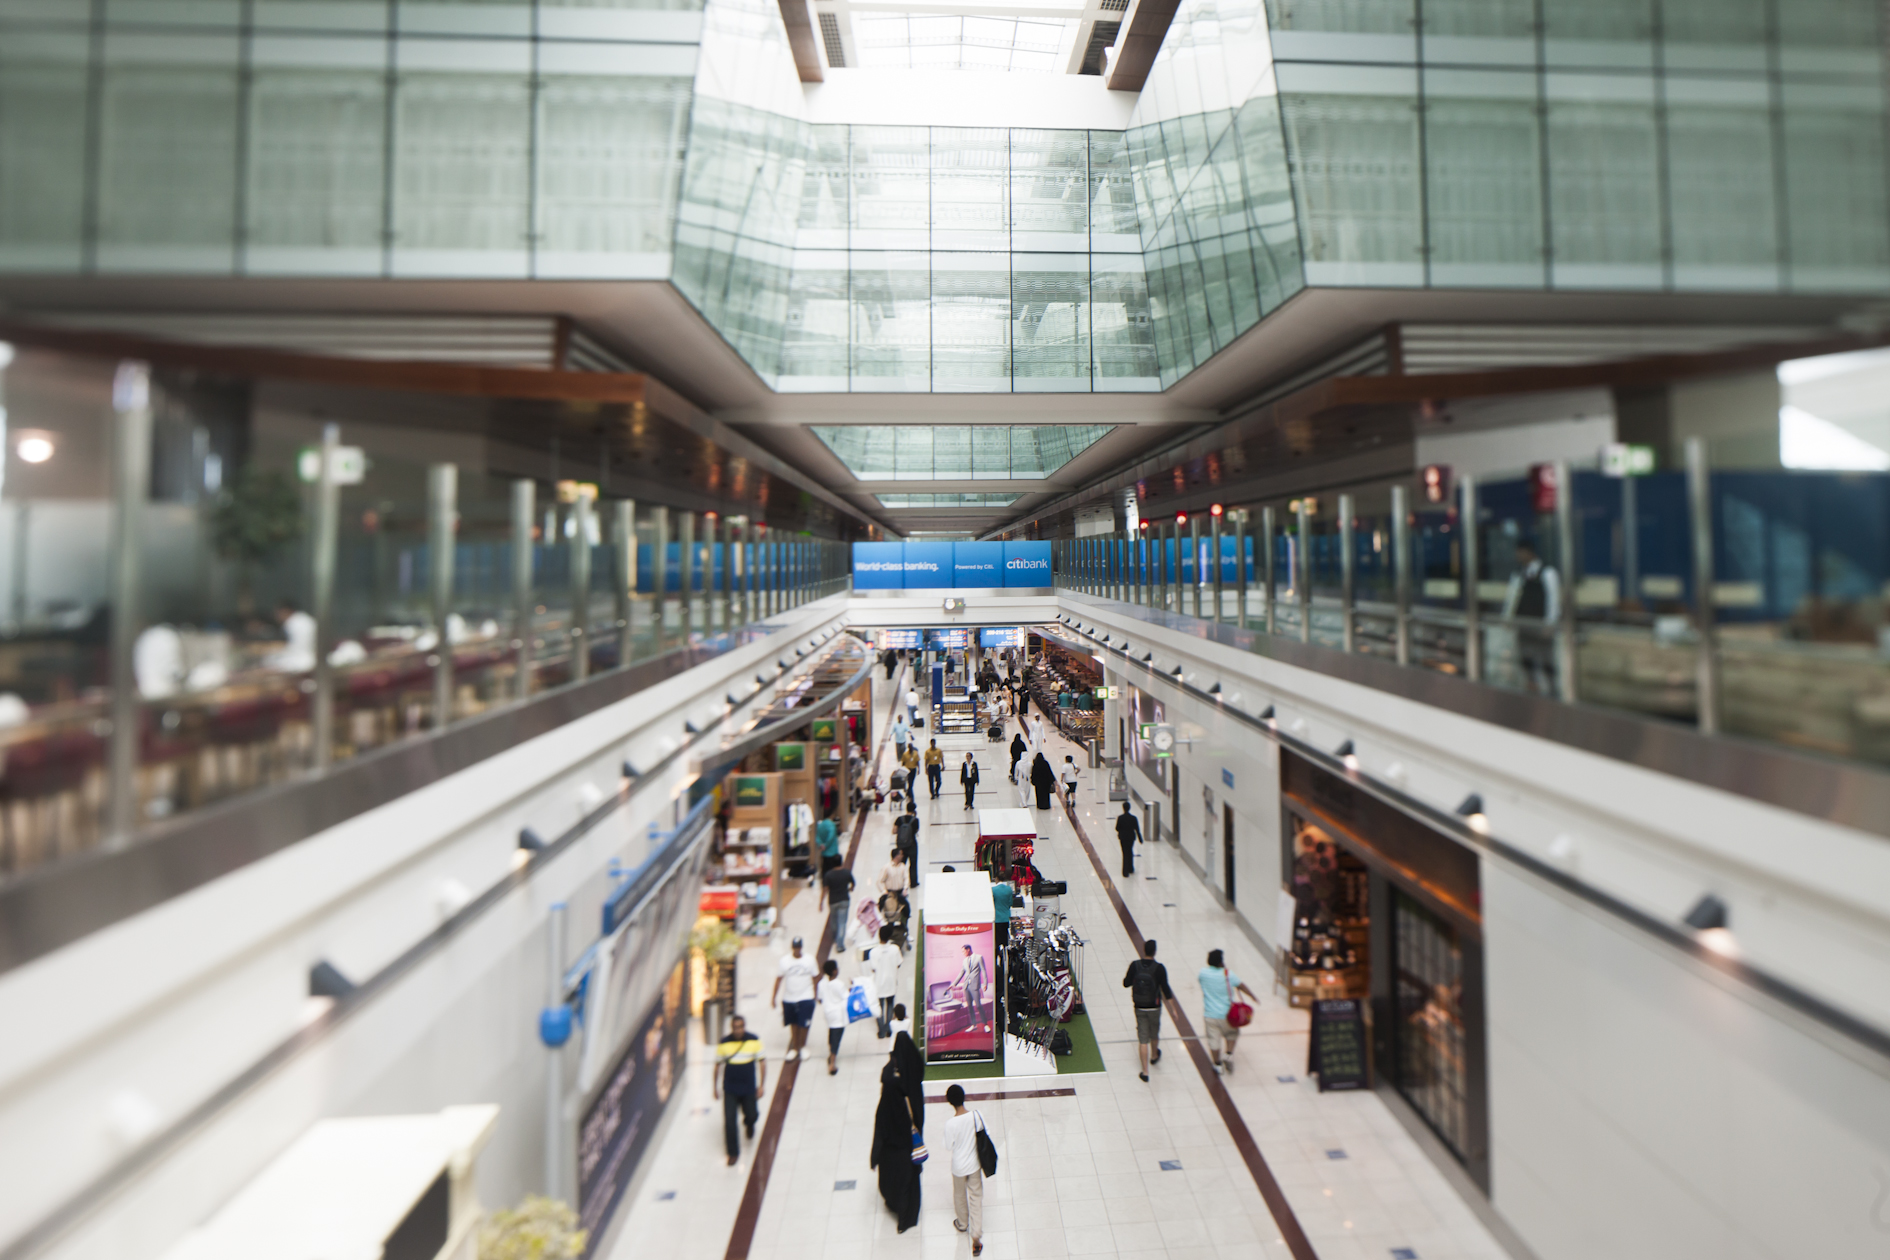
point(1336, 1052)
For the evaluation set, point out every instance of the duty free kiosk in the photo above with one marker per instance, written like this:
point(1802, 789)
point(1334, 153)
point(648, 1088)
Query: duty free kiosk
point(962, 1022)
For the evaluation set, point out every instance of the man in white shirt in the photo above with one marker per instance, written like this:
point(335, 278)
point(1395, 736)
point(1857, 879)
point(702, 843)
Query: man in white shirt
point(961, 1135)
point(794, 990)
point(883, 961)
point(895, 877)
point(1068, 776)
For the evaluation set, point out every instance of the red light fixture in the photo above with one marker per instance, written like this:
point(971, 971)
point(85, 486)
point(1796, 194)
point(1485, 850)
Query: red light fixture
point(1181, 518)
point(1216, 509)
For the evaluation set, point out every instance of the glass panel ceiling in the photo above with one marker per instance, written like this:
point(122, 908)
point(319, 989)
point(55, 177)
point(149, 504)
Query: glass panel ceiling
point(946, 500)
point(959, 452)
point(954, 42)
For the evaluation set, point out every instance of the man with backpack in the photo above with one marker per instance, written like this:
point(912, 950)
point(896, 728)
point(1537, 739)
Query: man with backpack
point(1147, 983)
point(906, 836)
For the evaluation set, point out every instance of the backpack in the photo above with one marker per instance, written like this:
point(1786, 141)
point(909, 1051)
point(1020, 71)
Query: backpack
point(906, 828)
point(1144, 991)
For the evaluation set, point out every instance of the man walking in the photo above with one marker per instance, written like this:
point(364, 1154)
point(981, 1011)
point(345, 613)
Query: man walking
point(906, 836)
point(934, 768)
point(901, 734)
point(1147, 983)
point(1068, 776)
point(796, 972)
point(961, 1133)
point(1128, 832)
point(968, 778)
point(827, 841)
point(971, 982)
point(836, 892)
point(740, 1076)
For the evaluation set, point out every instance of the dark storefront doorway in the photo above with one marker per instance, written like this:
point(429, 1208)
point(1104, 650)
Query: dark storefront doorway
point(1389, 910)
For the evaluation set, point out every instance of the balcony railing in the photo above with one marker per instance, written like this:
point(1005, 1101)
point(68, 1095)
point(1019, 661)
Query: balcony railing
point(1739, 602)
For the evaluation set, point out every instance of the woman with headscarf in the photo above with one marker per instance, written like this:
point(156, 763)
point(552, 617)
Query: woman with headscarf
point(1044, 779)
point(900, 1117)
point(1018, 748)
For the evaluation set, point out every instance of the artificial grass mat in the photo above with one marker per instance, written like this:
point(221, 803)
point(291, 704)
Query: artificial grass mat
point(1085, 1055)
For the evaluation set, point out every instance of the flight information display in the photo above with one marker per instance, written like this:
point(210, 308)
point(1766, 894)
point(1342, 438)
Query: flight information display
point(914, 639)
point(947, 640)
point(1001, 636)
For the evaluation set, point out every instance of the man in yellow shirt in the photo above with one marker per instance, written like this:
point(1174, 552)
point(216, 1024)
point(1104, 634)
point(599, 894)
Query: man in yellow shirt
point(934, 768)
point(740, 1076)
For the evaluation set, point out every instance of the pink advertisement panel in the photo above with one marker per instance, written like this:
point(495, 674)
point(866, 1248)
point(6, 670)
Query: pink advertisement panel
point(961, 1021)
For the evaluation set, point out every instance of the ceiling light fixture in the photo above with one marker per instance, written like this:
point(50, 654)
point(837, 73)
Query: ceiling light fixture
point(1471, 810)
point(325, 980)
point(530, 840)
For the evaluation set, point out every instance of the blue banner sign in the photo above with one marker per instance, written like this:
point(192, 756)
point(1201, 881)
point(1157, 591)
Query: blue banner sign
point(1001, 636)
point(919, 566)
point(1027, 563)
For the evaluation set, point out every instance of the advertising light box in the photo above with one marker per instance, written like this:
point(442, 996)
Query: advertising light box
point(977, 564)
point(1027, 563)
point(879, 566)
point(928, 566)
point(941, 565)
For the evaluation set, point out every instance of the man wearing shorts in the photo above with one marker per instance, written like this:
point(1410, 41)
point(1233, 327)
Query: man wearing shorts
point(1218, 986)
point(1147, 983)
point(794, 990)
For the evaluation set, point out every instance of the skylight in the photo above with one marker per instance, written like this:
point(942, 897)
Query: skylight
point(962, 42)
point(961, 452)
point(946, 500)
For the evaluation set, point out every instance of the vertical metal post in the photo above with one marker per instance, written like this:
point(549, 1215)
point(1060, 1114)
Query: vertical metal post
point(624, 536)
point(322, 598)
point(1219, 580)
point(1700, 521)
point(1194, 560)
point(555, 1142)
point(726, 545)
point(22, 551)
point(1565, 656)
point(1302, 578)
point(659, 567)
point(1630, 540)
point(442, 516)
point(1472, 568)
point(1240, 568)
point(1264, 544)
point(1401, 571)
point(523, 493)
point(1348, 619)
point(738, 567)
point(686, 568)
point(581, 588)
point(131, 482)
point(1163, 576)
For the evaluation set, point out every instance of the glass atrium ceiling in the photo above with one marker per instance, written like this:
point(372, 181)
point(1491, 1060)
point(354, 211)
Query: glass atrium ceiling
point(963, 42)
point(957, 452)
point(946, 500)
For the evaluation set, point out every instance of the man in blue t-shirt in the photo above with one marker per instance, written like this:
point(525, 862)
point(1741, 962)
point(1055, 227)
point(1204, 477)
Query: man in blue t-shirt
point(740, 1076)
point(1218, 986)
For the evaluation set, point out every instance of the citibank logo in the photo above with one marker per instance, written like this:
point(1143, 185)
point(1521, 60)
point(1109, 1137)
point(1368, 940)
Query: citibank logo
point(1020, 562)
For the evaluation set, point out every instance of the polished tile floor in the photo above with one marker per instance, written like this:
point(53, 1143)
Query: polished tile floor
point(1122, 1168)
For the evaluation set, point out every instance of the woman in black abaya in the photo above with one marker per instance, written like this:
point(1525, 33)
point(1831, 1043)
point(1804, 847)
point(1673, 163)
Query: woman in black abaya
point(1018, 749)
point(1044, 779)
point(901, 1114)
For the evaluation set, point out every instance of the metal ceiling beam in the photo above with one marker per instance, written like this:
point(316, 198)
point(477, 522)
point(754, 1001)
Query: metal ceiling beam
point(1140, 40)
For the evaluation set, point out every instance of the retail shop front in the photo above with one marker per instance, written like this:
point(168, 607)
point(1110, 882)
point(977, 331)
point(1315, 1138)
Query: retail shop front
point(1387, 911)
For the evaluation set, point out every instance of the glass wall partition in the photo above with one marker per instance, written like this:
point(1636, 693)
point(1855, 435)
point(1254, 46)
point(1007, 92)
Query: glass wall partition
point(302, 577)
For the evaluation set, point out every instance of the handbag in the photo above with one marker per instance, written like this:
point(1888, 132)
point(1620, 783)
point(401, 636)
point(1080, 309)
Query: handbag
point(1239, 1014)
point(859, 1006)
point(987, 1149)
point(919, 1155)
